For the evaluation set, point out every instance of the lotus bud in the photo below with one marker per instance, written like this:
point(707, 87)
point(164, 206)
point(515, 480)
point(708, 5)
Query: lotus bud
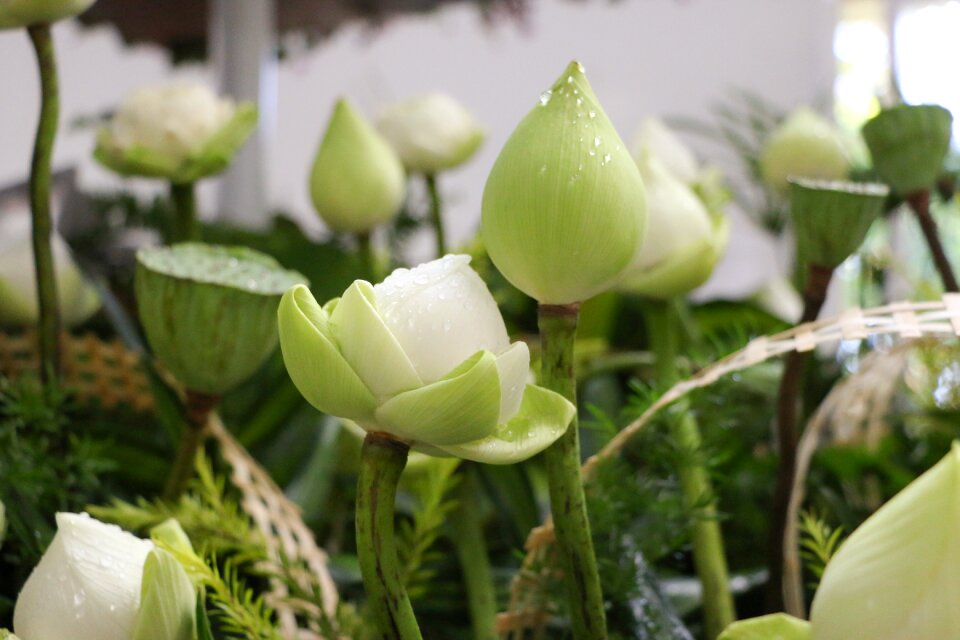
point(780, 298)
point(777, 626)
point(16, 14)
point(357, 182)
point(805, 145)
point(180, 132)
point(895, 577)
point(564, 208)
point(423, 356)
point(684, 240)
point(209, 312)
point(656, 139)
point(431, 133)
point(908, 144)
point(18, 287)
point(831, 219)
point(6, 635)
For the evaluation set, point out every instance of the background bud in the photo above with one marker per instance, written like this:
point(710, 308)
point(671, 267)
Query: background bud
point(805, 145)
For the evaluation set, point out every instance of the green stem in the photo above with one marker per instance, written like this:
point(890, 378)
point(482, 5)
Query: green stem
point(40, 179)
point(436, 214)
point(471, 548)
point(197, 409)
point(558, 329)
point(368, 263)
point(185, 226)
point(381, 463)
point(708, 548)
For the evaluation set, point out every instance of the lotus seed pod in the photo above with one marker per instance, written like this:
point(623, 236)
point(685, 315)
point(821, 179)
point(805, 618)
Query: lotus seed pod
point(908, 144)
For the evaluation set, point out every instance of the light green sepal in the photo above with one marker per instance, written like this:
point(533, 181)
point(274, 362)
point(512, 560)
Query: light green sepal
point(167, 601)
point(778, 626)
point(368, 345)
point(171, 534)
point(314, 363)
point(543, 417)
point(459, 408)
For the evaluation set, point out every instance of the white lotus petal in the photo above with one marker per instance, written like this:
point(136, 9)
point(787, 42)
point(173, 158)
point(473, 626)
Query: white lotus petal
point(656, 138)
point(513, 366)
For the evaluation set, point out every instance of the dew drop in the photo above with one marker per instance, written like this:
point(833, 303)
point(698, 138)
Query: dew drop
point(545, 98)
point(596, 141)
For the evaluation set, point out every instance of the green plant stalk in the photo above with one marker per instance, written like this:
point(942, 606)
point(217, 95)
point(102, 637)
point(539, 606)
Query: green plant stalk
point(185, 227)
point(197, 409)
point(558, 330)
point(368, 263)
point(40, 180)
point(381, 463)
point(436, 214)
point(471, 548)
point(709, 557)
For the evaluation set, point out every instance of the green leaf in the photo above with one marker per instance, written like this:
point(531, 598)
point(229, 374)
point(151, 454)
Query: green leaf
point(778, 626)
point(167, 600)
point(203, 621)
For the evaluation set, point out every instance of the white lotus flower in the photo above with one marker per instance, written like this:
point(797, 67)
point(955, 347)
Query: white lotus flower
point(431, 133)
point(87, 585)
point(18, 285)
point(655, 138)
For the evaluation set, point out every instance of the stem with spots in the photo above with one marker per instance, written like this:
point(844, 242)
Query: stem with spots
point(381, 463)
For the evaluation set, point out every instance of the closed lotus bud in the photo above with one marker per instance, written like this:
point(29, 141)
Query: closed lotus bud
point(209, 312)
point(18, 286)
point(805, 145)
point(15, 14)
point(564, 208)
point(423, 356)
point(908, 144)
point(780, 298)
point(6, 635)
point(896, 577)
point(831, 219)
point(180, 132)
point(684, 240)
point(776, 626)
point(431, 133)
point(357, 182)
point(656, 139)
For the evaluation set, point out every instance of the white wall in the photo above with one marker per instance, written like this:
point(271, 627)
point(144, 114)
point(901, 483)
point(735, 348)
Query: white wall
point(671, 57)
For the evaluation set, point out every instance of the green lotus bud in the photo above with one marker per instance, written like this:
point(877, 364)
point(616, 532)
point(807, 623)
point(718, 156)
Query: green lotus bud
point(805, 145)
point(209, 312)
point(683, 242)
point(831, 219)
point(18, 287)
point(357, 182)
point(431, 133)
point(87, 585)
point(179, 132)
point(656, 139)
point(564, 208)
point(908, 144)
point(423, 356)
point(896, 577)
point(168, 601)
point(777, 626)
point(171, 534)
point(6, 635)
point(16, 14)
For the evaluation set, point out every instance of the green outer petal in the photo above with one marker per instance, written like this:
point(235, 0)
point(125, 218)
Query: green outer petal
point(777, 626)
point(315, 364)
point(167, 600)
point(543, 417)
point(16, 14)
point(368, 346)
point(461, 407)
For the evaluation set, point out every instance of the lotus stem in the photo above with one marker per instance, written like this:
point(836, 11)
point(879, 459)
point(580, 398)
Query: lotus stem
point(788, 407)
point(558, 329)
point(197, 410)
point(381, 462)
point(368, 263)
point(471, 548)
point(185, 227)
point(40, 179)
point(709, 557)
point(436, 214)
point(920, 203)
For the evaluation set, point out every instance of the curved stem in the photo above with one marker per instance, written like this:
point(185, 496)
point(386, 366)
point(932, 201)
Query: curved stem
point(707, 537)
point(40, 179)
point(185, 226)
point(920, 203)
point(471, 548)
point(788, 408)
point(436, 214)
point(197, 409)
point(558, 329)
point(381, 462)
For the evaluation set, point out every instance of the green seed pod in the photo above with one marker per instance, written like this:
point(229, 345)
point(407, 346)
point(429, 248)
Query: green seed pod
point(831, 219)
point(908, 144)
point(357, 181)
point(16, 14)
point(564, 208)
point(209, 312)
point(805, 145)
